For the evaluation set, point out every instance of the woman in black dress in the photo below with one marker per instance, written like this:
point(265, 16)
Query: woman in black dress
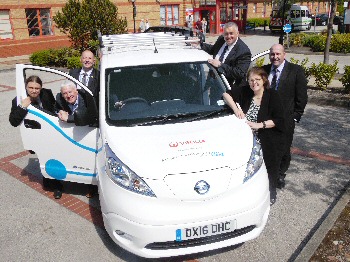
point(263, 110)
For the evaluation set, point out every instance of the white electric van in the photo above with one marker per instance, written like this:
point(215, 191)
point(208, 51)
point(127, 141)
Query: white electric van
point(300, 17)
point(177, 172)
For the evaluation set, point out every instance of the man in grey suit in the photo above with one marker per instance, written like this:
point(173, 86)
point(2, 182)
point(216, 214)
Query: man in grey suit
point(68, 101)
point(290, 82)
point(231, 56)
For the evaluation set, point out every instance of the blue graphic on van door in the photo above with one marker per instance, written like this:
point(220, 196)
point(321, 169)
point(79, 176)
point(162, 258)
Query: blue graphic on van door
point(61, 132)
point(57, 170)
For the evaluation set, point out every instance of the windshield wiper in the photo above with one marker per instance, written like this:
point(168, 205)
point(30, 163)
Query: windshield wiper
point(182, 116)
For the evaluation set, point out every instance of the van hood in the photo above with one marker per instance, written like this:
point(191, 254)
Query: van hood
point(154, 152)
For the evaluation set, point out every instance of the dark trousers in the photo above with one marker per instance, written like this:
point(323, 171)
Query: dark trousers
point(286, 156)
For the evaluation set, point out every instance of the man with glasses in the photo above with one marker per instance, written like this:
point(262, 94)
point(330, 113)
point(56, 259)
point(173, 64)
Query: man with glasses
point(231, 56)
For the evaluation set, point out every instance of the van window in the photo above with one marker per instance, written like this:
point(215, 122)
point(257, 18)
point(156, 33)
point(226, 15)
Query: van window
point(141, 94)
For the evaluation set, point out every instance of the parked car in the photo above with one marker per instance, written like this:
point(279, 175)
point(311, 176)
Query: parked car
point(176, 29)
point(321, 19)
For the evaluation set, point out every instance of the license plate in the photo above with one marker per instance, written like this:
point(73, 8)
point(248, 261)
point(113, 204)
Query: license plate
point(205, 230)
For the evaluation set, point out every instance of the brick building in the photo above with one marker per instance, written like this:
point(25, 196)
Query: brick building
point(27, 26)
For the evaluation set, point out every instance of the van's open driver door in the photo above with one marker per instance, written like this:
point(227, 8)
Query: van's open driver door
point(65, 151)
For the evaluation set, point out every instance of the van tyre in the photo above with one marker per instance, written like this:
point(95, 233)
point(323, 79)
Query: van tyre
point(308, 27)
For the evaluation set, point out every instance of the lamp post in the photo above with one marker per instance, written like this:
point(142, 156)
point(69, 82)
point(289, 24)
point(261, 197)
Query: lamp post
point(134, 13)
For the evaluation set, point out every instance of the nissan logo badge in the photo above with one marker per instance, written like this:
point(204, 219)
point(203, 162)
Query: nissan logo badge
point(202, 187)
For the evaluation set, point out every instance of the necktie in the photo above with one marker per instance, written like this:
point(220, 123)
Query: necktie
point(84, 79)
point(274, 79)
point(221, 58)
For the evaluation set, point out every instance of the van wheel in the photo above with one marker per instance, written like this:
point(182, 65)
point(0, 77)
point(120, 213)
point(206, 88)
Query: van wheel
point(308, 27)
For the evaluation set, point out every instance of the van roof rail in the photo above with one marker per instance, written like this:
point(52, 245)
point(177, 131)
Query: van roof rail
point(142, 41)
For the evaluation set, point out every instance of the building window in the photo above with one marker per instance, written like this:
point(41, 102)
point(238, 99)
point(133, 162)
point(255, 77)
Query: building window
point(39, 22)
point(255, 8)
point(5, 25)
point(169, 15)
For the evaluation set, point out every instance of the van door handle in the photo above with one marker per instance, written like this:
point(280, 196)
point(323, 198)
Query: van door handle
point(32, 124)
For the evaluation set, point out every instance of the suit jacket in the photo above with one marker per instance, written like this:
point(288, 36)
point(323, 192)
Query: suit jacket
point(272, 139)
point(17, 113)
point(61, 104)
point(236, 63)
point(94, 80)
point(292, 89)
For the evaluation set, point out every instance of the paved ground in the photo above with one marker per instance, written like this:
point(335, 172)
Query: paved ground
point(35, 227)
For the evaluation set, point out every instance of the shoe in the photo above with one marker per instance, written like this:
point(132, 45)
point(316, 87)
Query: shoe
point(92, 190)
point(57, 194)
point(273, 195)
point(272, 201)
point(46, 183)
point(281, 183)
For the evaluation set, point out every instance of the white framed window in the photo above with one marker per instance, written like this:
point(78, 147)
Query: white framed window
point(5, 25)
point(39, 21)
point(169, 15)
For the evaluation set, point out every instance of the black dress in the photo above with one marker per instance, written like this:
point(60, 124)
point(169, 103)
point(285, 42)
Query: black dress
point(272, 139)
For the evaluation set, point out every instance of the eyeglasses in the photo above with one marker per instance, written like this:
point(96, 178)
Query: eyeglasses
point(229, 33)
point(254, 80)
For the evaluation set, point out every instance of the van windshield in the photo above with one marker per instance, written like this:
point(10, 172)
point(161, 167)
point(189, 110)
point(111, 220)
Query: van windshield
point(166, 93)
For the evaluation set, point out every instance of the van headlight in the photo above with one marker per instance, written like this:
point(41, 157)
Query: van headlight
point(255, 161)
point(123, 176)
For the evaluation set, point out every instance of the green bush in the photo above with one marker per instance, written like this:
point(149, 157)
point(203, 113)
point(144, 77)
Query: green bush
point(340, 43)
point(260, 61)
point(319, 43)
point(54, 57)
point(41, 58)
point(93, 46)
point(324, 73)
point(309, 39)
point(259, 21)
point(74, 62)
point(80, 20)
point(345, 80)
point(297, 39)
point(60, 56)
point(303, 64)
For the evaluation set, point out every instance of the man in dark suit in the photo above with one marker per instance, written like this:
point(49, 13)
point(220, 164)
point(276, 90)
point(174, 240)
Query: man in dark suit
point(290, 82)
point(43, 99)
point(88, 75)
point(68, 101)
point(231, 56)
point(37, 96)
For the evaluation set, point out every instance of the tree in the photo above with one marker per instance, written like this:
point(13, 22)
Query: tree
point(333, 4)
point(80, 20)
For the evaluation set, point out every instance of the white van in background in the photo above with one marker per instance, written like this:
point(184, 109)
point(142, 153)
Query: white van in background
point(299, 17)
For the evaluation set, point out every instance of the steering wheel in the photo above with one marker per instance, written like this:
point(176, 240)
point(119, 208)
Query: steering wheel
point(120, 104)
point(134, 99)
